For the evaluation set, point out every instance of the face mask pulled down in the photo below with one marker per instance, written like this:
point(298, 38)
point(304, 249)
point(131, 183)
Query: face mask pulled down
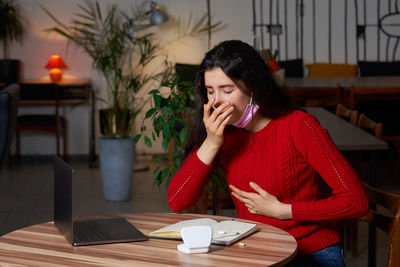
point(248, 113)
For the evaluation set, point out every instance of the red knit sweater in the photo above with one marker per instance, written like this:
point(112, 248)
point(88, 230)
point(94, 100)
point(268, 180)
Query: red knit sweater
point(284, 158)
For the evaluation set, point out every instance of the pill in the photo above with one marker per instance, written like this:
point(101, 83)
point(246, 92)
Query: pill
point(242, 245)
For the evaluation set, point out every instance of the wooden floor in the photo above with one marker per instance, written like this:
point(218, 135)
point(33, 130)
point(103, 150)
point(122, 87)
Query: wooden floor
point(26, 198)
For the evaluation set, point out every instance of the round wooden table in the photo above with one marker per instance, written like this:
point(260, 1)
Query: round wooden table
point(43, 245)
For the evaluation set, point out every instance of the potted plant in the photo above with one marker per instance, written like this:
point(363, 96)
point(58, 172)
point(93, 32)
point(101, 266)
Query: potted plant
point(277, 73)
point(272, 63)
point(121, 47)
point(170, 118)
point(12, 28)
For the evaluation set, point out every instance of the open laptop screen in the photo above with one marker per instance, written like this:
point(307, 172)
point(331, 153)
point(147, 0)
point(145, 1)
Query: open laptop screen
point(63, 197)
point(85, 232)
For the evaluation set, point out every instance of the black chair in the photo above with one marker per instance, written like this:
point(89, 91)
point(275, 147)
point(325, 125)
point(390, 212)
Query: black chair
point(186, 72)
point(9, 98)
point(375, 68)
point(51, 123)
point(293, 68)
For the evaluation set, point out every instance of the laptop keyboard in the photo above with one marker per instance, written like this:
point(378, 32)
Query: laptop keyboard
point(88, 231)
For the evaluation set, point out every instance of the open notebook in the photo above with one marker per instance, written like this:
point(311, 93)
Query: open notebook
point(224, 232)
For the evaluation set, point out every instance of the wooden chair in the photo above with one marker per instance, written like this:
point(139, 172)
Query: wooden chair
point(389, 113)
point(370, 126)
point(388, 224)
point(351, 226)
point(347, 114)
point(214, 198)
point(378, 102)
point(311, 97)
point(52, 123)
point(371, 94)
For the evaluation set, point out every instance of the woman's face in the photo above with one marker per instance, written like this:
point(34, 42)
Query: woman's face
point(223, 89)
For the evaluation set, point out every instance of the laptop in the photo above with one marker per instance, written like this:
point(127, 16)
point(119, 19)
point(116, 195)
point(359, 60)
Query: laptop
point(85, 232)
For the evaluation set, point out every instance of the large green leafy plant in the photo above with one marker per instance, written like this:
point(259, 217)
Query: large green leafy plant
point(172, 111)
point(12, 24)
point(170, 121)
point(121, 45)
point(170, 118)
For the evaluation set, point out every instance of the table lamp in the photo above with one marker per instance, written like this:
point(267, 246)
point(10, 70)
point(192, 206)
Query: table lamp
point(55, 64)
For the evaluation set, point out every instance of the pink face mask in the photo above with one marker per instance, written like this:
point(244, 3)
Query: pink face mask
point(247, 115)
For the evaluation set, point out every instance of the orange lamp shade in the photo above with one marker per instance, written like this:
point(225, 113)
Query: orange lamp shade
point(55, 64)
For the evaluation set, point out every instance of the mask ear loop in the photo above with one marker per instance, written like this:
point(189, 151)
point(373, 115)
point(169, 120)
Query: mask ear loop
point(251, 101)
point(252, 109)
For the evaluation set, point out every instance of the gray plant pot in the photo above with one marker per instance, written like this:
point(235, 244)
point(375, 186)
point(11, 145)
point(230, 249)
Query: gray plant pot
point(116, 163)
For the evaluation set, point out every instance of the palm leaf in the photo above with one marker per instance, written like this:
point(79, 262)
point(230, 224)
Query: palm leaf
point(53, 17)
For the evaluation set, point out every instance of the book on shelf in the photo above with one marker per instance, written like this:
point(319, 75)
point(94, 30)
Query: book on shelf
point(224, 232)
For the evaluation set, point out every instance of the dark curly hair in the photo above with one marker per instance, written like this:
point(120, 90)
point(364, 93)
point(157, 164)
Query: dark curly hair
point(246, 68)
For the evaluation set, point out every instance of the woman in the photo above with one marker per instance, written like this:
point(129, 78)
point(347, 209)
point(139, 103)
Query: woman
point(271, 154)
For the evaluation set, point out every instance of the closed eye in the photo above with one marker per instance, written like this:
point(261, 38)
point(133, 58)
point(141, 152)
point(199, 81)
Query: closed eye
point(228, 88)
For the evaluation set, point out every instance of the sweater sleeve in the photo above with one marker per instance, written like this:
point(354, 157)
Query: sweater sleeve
point(348, 199)
point(187, 185)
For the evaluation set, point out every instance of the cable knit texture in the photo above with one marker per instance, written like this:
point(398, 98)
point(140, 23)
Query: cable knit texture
point(286, 158)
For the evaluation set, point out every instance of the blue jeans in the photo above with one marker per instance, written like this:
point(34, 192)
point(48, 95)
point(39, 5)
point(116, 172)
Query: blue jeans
point(331, 256)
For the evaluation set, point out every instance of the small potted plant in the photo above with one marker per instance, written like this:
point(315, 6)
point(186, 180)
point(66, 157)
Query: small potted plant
point(12, 28)
point(272, 63)
point(277, 73)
